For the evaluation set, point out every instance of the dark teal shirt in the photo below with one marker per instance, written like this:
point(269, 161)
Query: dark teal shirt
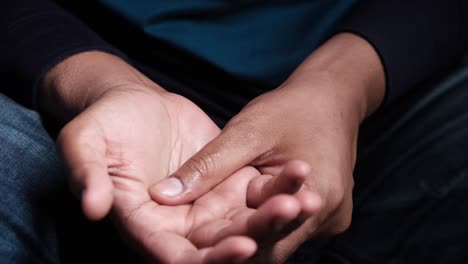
point(259, 40)
point(253, 39)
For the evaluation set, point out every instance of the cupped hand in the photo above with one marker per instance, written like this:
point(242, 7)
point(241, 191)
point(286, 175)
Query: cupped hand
point(313, 117)
point(131, 137)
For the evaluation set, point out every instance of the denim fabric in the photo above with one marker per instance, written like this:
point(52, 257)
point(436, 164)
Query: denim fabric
point(29, 178)
point(411, 187)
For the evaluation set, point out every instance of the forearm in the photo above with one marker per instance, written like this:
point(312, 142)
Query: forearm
point(351, 72)
point(73, 84)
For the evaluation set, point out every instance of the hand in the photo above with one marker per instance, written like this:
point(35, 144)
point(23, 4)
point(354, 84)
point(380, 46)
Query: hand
point(314, 117)
point(132, 135)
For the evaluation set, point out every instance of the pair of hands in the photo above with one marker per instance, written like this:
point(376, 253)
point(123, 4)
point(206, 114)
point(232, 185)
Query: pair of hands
point(131, 138)
point(129, 134)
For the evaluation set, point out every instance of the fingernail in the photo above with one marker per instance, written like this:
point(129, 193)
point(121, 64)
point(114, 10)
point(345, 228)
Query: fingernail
point(170, 187)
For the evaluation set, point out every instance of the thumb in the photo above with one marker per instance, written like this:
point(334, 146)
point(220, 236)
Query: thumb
point(220, 158)
point(87, 166)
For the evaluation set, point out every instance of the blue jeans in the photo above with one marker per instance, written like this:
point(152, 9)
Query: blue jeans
point(29, 177)
point(409, 200)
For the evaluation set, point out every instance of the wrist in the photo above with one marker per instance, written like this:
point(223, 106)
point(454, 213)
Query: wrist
point(348, 68)
point(76, 82)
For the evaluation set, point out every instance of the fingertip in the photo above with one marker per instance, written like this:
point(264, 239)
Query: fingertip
point(279, 210)
point(292, 177)
point(170, 191)
point(235, 249)
point(311, 203)
point(298, 168)
point(244, 248)
point(273, 216)
point(96, 203)
point(285, 220)
point(285, 206)
point(290, 181)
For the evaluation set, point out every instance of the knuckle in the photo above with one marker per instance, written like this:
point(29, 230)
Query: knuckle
point(340, 207)
point(342, 218)
point(336, 198)
point(340, 225)
point(341, 222)
point(340, 193)
point(201, 166)
point(345, 223)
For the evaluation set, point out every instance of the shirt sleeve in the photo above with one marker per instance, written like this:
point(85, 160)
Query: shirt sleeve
point(36, 35)
point(414, 39)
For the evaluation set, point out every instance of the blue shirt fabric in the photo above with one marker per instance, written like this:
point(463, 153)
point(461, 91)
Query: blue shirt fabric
point(251, 39)
point(258, 41)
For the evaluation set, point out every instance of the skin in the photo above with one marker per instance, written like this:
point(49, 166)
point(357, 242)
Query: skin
point(314, 117)
point(124, 133)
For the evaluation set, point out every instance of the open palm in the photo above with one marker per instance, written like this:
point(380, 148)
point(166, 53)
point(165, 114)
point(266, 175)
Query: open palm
point(132, 137)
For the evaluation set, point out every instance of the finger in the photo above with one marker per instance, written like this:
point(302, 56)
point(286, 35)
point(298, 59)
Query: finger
point(231, 250)
point(220, 158)
point(311, 204)
point(282, 224)
point(289, 181)
point(277, 247)
point(169, 247)
point(84, 157)
point(249, 222)
point(277, 218)
point(269, 219)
